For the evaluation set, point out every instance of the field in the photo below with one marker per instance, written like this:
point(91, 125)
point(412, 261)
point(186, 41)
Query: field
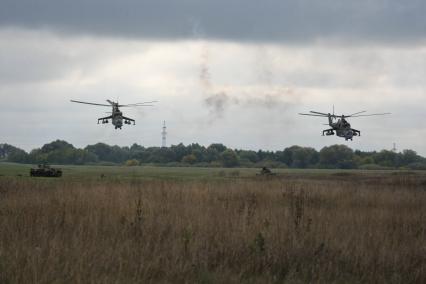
point(197, 225)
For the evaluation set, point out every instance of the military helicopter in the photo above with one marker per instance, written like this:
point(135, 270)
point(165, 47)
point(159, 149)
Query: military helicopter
point(339, 124)
point(116, 115)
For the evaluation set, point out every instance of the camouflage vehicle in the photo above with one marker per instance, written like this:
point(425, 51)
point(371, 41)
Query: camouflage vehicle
point(45, 171)
point(266, 172)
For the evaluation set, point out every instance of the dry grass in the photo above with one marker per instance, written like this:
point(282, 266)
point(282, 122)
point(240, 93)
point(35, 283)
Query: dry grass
point(347, 230)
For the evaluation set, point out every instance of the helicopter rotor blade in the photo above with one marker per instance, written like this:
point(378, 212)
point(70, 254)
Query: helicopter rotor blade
point(356, 113)
point(373, 114)
point(87, 103)
point(139, 104)
point(316, 112)
point(111, 102)
point(134, 105)
point(309, 114)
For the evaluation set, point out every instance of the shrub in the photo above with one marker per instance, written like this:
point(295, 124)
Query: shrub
point(132, 163)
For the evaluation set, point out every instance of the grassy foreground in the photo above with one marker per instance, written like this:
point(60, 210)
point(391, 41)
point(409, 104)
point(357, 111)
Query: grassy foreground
point(212, 226)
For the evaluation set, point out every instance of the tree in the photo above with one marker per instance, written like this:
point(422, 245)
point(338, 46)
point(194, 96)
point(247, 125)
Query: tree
point(18, 156)
point(179, 152)
point(212, 154)
point(299, 157)
point(108, 153)
point(218, 147)
point(409, 157)
point(13, 154)
point(56, 145)
point(248, 155)
point(337, 156)
point(135, 148)
point(386, 158)
point(229, 158)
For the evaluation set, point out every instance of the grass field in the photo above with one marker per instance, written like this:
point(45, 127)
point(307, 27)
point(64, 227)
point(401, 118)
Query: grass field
point(197, 225)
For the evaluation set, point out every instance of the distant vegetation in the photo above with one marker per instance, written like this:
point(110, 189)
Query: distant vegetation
point(215, 155)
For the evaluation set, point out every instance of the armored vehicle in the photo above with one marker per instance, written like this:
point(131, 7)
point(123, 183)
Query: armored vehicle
point(45, 171)
point(266, 172)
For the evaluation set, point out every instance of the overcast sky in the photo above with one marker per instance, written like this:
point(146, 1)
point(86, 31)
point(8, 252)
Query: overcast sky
point(235, 72)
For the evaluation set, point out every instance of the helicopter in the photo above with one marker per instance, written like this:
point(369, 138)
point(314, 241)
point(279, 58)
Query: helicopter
point(116, 115)
point(339, 125)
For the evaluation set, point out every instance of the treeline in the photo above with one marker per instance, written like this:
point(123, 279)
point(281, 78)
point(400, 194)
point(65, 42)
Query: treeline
point(215, 155)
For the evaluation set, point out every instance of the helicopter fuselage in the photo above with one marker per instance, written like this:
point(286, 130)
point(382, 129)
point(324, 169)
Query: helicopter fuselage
point(341, 128)
point(116, 118)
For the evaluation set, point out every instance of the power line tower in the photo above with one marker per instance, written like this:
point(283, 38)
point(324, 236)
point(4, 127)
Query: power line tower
point(163, 135)
point(394, 147)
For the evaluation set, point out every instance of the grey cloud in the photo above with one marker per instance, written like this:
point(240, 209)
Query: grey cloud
point(241, 20)
point(217, 104)
point(28, 58)
point(22, 64)
point(219, 99)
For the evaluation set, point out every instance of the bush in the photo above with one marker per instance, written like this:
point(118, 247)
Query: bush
point(417, 166)
point(189, 159)
point(373, 167)
point(132, 163)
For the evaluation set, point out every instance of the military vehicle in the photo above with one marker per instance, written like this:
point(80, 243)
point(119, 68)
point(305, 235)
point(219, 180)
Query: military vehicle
point(266, 172)
point(116, 116)
point(45, 171)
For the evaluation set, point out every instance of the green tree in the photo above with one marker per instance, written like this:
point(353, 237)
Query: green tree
point(386, 158)
point(13, 154)
point(57, 145)
point(298, 157)
point(408, 157)
point(218, 147)
point(248, 155)
point(179, 151)
point(18, 156)
point(337, 156)
point(229, 158)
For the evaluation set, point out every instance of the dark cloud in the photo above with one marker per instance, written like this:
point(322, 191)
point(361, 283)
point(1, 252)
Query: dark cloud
point(29, 57)
point(241, 20)
point(20, 64)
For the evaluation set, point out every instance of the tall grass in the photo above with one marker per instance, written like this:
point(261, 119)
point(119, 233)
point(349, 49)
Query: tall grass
point(347, 230)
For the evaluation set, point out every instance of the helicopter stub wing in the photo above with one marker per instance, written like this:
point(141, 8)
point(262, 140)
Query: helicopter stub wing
point(104, 118)
point(129, 119)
